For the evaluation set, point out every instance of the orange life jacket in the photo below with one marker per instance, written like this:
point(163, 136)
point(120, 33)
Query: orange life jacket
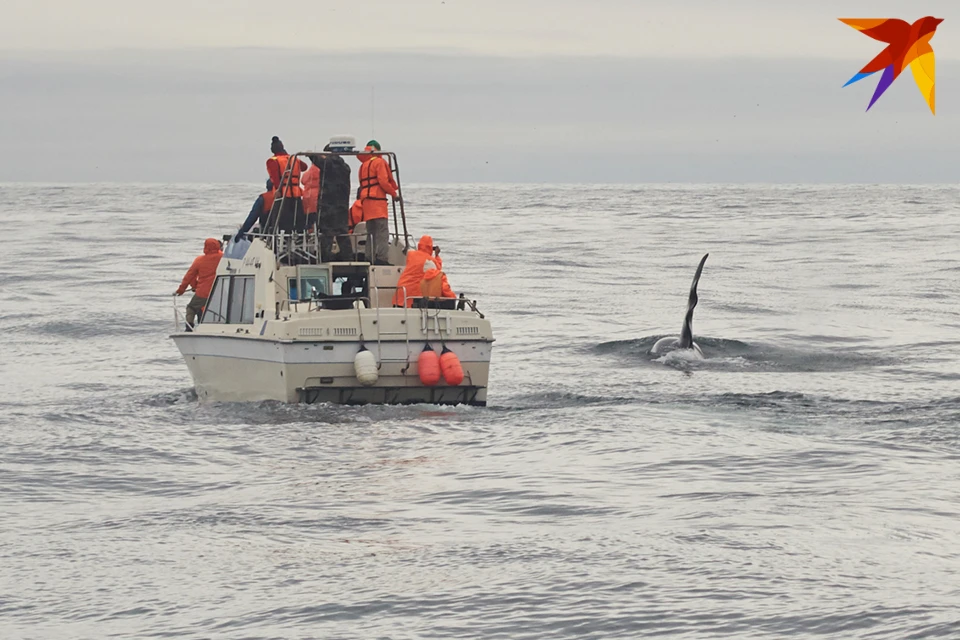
point(289, 183)
point(268, 197)
point(356, 214)
point(432, 287)
point(370, 188)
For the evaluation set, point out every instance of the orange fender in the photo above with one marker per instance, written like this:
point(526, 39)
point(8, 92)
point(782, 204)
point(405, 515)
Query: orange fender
point(428, 365)
point(451, 368)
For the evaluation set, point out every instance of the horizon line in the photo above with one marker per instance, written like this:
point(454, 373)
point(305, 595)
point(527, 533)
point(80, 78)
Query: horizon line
point(505, 182)
point(439, 52)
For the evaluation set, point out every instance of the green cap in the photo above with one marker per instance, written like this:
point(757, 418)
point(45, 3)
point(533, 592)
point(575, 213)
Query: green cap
point(374, 144)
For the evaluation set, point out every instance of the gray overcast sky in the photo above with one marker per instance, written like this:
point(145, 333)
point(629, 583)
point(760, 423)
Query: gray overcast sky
point(486, 90)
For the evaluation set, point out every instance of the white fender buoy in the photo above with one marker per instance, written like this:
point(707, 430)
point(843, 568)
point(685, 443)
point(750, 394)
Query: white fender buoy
point(365, 366)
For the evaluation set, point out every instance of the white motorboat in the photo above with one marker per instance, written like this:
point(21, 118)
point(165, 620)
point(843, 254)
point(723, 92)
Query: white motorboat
point(282, 324)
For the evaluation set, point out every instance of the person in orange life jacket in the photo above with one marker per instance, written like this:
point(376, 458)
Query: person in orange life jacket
point(376, 181)
point(258, 214)
point(356, 212)
point(287, 212)
point(311, 192)
point(410, 280)
point(434, 283)
point(200, 277)
point(356, 215)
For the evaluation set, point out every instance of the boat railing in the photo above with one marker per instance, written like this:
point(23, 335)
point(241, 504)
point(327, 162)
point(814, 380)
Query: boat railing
point(305, 247)
point(399, 214)
point(328, 303)
point(179, 319)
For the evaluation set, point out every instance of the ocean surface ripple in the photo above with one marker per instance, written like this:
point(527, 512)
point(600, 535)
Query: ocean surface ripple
point(800, 482)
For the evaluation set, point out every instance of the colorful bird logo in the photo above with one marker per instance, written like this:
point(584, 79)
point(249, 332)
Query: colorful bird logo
point(907, 44)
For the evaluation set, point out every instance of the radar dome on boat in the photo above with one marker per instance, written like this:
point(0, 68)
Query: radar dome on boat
point(343, 143)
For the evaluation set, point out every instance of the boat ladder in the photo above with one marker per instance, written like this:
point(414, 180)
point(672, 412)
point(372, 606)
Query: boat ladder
point(393, 334)
point(425, 323)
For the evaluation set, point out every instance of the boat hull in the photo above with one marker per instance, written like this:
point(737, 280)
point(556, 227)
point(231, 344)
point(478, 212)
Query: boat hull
point(243, 369)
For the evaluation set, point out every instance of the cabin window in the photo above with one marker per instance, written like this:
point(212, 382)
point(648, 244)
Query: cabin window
point(311, 284)
point(246, 311)
point(241, 300)
point(311, 280)
point(216, 310)
point(231, 301)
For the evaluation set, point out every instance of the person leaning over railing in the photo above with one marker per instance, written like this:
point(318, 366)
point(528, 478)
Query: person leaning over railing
point(200, 277)
point(259, 212)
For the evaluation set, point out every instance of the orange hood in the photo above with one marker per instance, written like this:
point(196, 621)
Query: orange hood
point(425, 244)
point(211, 245)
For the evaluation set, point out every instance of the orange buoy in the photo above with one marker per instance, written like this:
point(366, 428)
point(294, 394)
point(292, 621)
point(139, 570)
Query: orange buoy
point(450, 366)
point(428, 365)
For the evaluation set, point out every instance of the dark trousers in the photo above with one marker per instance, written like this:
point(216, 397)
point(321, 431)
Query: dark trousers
point(344, 251)
point(195, 309)
point(289, 211)
point(378, 235)
point(332, 223)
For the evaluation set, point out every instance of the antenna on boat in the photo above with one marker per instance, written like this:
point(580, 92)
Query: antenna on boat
point(373, 130)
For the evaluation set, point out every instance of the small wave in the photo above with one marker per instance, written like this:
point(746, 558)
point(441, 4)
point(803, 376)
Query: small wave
point(519, 502)
point(560, 400)
point(96, 327)
point(720, 353)
point(769, 400)
point(746, 309)
point(170, 398)
point(92, 387)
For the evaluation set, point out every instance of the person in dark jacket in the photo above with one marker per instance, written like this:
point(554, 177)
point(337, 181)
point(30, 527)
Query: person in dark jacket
point(334, 212)
point(259, 212)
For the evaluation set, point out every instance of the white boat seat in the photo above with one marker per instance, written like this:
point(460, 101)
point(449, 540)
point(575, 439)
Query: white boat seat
point(359, 240)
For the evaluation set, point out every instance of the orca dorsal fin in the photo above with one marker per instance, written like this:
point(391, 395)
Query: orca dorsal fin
point(686, 334)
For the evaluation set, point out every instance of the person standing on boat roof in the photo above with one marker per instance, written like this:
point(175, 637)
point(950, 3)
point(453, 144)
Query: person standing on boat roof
point(287, 213)
point(376, 181)
point(311, 192)
point(259, 212)
point(356, 215)
point(200, 277)
point(334, 218)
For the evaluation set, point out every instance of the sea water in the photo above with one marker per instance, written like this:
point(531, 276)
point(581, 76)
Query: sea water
point(799, 482)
